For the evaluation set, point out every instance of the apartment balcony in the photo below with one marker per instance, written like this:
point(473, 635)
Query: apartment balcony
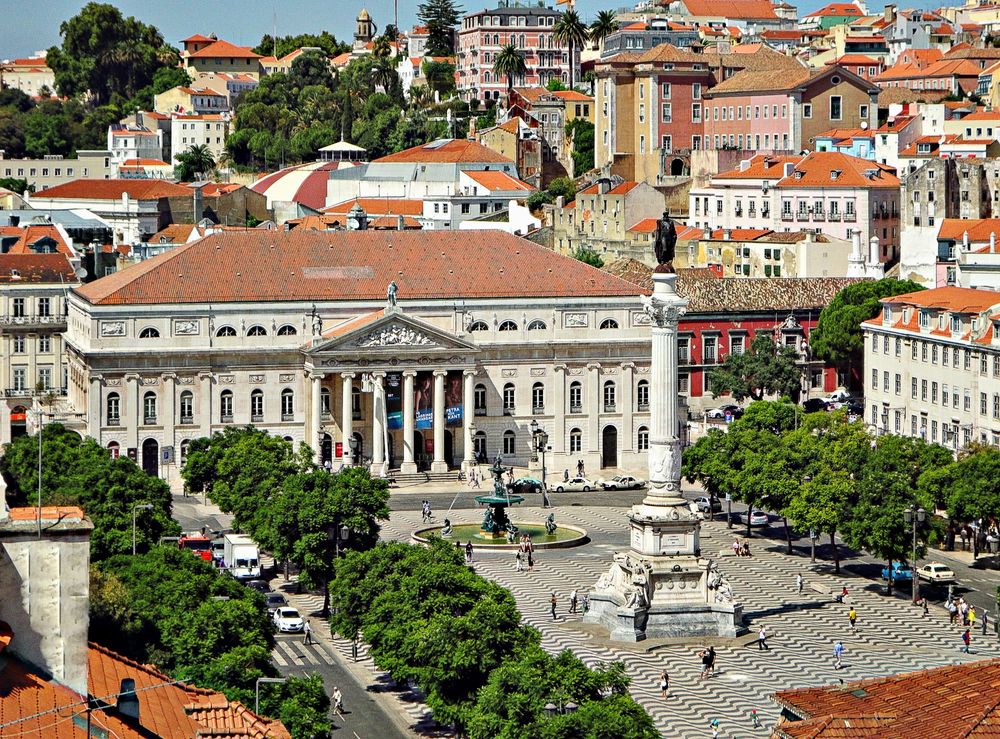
point(710, 359)
point(149, 420)
point(850, 217)
point(833, 216)
point(819, 216)
point(23, 392)
point(55, 323)
point(479, 411)
point(802, 216)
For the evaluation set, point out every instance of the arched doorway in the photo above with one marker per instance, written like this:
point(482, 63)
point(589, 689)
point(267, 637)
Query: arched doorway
point(449, 448)
point(151, 457)
point(479, 441)
point(18, 421)
point(326, 449)
point(676, 167)
point(609, 447)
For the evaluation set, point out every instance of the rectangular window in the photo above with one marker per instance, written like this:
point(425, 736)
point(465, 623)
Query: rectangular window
point(20, 379)
point(696, 91)
point(982, 404)
point(923, 389)
point(44, 344)
point(18, 307)
point(836, 105)
point(666, 113)
point(666, 90)
point(913, 388)
point(899, 347)
point(934, 392)
point(710, 350)
point(737, 344)
point(807, 110)
point(899, 384)
point(696, 112)
point(874, 379)
point(885, 381)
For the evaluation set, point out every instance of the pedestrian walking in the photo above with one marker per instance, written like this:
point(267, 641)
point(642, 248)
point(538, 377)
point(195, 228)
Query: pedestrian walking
point(972, 617)
point(986, 618)
point(585, 603)
point(762, 639)
point(798, 583)
point(838, 653)
point(852, 617)
point(572, 601)
point(966, 640)
point(952, 613)
point(579, 468)
point(338, 700)
point(552, 602)
point(707, 662)
point(518, 562)
point(926, 609)
point(531, 560)
point(754, 718)
point(664, 684)
point(566, 475)
point(468, 552)
point(714, 726)
point(307, 633)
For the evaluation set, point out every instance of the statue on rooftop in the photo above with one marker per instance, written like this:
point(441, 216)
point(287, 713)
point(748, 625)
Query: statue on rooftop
point(666, 241)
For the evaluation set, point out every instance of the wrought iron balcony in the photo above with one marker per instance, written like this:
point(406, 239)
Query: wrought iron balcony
point(56, 323)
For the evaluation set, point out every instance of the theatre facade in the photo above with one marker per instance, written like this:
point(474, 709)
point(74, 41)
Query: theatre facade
point(408, 351)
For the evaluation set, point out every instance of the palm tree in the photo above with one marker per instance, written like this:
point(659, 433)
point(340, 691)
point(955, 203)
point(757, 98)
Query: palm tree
point(509, 62)
point(383, 73)
point(569, 30)
point(604, 26)
point(197, 160)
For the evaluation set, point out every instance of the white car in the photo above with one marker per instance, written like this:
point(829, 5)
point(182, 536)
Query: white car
point(759, 518)
point(935, 572)
point(288, 620)
point(623, 482)
point(575, 484)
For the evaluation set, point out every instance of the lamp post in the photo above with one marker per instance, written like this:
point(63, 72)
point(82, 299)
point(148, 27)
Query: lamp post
point(541, 441)
point(135, 508)
point(352, 445)
point(256, 700)
point(913, 516)
point(812, 532)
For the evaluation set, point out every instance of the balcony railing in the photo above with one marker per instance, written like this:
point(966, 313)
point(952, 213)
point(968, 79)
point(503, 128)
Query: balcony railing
point(149, 420)
point(114, 421)
point(802, 215)
point(287, 416)
point(186, 420)
point(850, 217)
point(538, 410)
point(508, 411)
point(53, 322)
point(710, 359)
point(227, 417)
point(610, 407)
point(786, 215)
point(23, 392)
point(833, 216)
point(642, 407)
point(479, 411)
point(576, 409)
point(256, 418)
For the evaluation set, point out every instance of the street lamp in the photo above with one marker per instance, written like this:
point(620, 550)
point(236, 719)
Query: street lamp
point(256, 700)
point(135, 508)
point(541, 441)
point(352, 445)
point(812, 532)
point(913, 516)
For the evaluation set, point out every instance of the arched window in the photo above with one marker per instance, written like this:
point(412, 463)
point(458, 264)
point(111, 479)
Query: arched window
point(642, 441)
point(479, 399)
point(324, 401)
point(149, 407)
point(185, 445)
point(149, 333)
point(226, 406)
point(257, 331)
point(509, 442)
point(287, 330)
point(114, 409)
point(609, 323)
point(575, 441)
point(226, 331)
point(508, 399)
point(508, 326)
point(257, 406)
point(609, 396)
point(575, 397)
point(642, 396)
point(479, 444)
point(478, 326)
point(114, 449)
point(187, 407)
point(287, 404)
point(486, 77)
point(538, 398)
point(536, 326)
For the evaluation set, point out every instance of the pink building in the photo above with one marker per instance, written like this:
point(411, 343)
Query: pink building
point(484, 33)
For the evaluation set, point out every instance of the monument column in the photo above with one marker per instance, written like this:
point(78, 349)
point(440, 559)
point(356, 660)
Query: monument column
point(346, 415)
point(378, 467)
point(468, 411)
point(409, 466)
point(439, 464)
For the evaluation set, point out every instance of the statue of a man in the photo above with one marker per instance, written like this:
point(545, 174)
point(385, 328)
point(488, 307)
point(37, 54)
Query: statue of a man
point(390, 294)
point(666, 240)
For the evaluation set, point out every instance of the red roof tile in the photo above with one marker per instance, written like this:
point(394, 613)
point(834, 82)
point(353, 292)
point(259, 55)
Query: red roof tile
point(451, 151)
point(817, 168)
point(646, 225)
point(835, 10)
point(498, 181)
point(954, 299)
point(979, 229)
point(83, 189)
point(225, 50)
point(257, 266)
point(622, 189)
point(36, 268)
point(762, 166)
point(380, 206)
point(743, 10)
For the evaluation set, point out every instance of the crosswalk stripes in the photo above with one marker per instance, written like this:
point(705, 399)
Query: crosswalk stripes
point(291, 652)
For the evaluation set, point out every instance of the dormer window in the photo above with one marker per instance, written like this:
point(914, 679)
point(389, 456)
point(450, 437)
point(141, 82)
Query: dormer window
point(925, 319)
point(956, 324)
point(886, 315)
point(798, 175)
point(835, 174)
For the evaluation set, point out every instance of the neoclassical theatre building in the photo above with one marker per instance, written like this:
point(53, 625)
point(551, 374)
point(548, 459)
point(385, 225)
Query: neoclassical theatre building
point(424, 348)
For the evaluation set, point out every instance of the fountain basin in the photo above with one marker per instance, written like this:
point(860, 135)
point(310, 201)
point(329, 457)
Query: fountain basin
point(564, 536)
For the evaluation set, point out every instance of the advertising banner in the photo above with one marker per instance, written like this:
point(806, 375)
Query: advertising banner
point(423, 400)
point(394, 400)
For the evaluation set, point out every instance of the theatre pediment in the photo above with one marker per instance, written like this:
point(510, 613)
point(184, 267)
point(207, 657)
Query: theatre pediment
point(388, 332)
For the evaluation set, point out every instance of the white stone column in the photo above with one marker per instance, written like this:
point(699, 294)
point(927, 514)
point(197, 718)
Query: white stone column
point(593, 402)
point(378, 424)
point(627, 405)
point(169, 417)
point(346, 415)
point(205, 403)
point(95, 410)
point(439, 464)
point(315, 414)
point(132, 412)
point(409, 466)
point(559, 411)
point(468, 412)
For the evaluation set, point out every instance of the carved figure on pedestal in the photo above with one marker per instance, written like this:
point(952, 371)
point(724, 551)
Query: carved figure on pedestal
point(665, 243)
point(390, 295)
point(550, 524)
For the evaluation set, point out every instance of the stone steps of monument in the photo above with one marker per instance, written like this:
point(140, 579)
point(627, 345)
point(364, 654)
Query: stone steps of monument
point(418, 478)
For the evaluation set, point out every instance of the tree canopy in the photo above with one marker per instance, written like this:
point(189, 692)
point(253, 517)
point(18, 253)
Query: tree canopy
point(765, 368)
point(509, 63)
point(570, 30)
point(284, 45)
point(441, 18)
point(195, 163)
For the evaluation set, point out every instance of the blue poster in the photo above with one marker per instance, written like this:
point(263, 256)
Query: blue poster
point(394, 400)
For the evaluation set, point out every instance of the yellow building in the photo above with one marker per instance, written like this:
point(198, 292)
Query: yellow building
point(222, 56)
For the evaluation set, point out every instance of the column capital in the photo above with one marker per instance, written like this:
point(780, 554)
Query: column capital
point(593, 366)
point(169, 375)
point(347, 375)
point(559, 368)
point(130, 376)
point(205, 375)
point(628, 365)
point(440, 373)
point(316, 375)
point(97, 378)
point(470, 372)
point(378, 375)
point(409, 373)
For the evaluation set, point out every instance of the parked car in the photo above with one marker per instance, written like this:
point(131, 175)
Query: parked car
point(935, 572)
point(839, 396)
point(900, 571)
point(274, 601)
point(288, 620)
point(576, 484)
point(855, 407)
point(733, 410)
point(759, 518)
point(706, 504)
point(218, 549)
point(814, 405)
point(525, 485)
point(623, 482)
point(259, 585)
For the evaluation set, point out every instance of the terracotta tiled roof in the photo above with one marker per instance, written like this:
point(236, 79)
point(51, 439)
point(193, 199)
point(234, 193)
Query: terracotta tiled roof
point(761, 81)
point(622, 189)
point(572, 95)
point(761, 166)
point(497, 181)
point(817, 168)
point(49, 513)
point(836, 9)
point(646, 225)
point(781, 35)
point(446, 151)
point(254, 266)
point(225, 50)
point(979, 229)
point(954, 299)
point(967, 51)
point(900, 95)
point(175, 233)
point(391, 222)
point(944, 703)
point(734, 294)
point(380, 206)
point(31, 234)
point(841, 134)
point(144, 163)
point(743, 10)
point(36, 268)
point(738, 234)
point(113, 189)
point(198, 38)
point(856, 59)
point(689, 233)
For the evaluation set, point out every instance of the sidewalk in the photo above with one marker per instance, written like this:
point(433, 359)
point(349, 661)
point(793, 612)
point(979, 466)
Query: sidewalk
point(965, 557)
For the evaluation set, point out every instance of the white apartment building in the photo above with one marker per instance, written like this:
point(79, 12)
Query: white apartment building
point(209, 129)
point(127, 141)
point(932, 366)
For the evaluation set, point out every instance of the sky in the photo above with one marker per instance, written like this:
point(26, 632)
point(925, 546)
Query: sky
point(35, 25)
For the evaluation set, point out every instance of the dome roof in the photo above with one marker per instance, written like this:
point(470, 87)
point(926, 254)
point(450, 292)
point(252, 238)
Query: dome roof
point(363, 15)
point(303, 183)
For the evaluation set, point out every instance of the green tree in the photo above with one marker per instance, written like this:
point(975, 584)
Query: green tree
point(509, 63)
point(440, 76)
point(570, 30)
point(764, 369)
point(588, 256)
point(605, 24)
point(310, 68)
point(555, 85)
point(14, 184)
point(195, 163)
point(837, 337)
point(969, 488)
point(581, 132)
point(284, 45)
point(441, 18)
point(80, 472)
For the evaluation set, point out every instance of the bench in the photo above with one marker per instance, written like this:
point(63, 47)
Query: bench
point(820, 588)
point(727, 552)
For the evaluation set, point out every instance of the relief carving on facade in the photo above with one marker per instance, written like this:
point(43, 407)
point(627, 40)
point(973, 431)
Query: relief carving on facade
point(508, 373)
point(227, 379)
point(640, 318)
point(113, 382)
point(185, 380)
point(394, 336)
point(538, 372)
point(575, 320)
point(257, 379)
point(575, 371)
point(187, 327)
point(112, 328)
point(286, 378)
point(150, 380)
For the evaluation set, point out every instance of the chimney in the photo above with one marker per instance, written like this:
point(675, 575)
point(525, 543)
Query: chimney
point(400, 223)
point(874, 254)
point(128, 701)
point(889, 13)
point(15, 221)
point(745, 164)
point(197, 205)
point(993, 243)
point(727, 234)
point(561, 201)
point(603, 186)
point(45, 589)
point(965, 241)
